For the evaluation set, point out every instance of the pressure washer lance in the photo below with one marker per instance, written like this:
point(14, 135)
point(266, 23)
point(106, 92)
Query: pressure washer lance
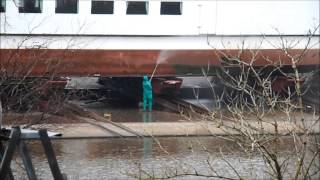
point(154, 72)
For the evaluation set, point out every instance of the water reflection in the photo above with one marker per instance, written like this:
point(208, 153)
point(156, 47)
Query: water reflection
point(147, 141)
point(147, 147)
point(147, 117)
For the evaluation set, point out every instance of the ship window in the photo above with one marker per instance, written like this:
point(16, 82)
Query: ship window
point(30, 6)
point(2, 5)
point(67, 6)
point(171, 8)
point(102, 7)
point(137, 7)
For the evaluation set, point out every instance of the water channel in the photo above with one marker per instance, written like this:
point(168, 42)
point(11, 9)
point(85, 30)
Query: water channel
point(121, 158)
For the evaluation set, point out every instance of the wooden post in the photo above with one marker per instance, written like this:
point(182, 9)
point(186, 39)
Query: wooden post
point(15, 140)
point(0, 114)
point(27, 161)
point(46, 143)
point(10, 175)
point(7, 157)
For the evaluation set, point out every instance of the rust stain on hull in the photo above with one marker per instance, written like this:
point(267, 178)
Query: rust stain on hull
point(41, 62)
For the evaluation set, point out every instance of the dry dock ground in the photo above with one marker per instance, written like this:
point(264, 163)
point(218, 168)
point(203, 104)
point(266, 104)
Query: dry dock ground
point(83, 130)
point(80, 122)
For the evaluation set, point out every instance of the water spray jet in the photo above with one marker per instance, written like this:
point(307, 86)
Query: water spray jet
point(163, 56)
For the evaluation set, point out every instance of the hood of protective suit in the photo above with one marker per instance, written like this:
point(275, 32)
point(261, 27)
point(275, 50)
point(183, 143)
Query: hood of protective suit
point(145, 78)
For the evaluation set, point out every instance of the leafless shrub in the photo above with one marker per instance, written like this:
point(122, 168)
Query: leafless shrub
point(256, 117)
point(22, 91)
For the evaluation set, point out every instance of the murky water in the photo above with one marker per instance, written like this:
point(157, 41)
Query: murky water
point(124, 158)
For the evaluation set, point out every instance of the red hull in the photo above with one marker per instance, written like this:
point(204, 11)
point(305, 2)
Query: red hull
point(42, 62)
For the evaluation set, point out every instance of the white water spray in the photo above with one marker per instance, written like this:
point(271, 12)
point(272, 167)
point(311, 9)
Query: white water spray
point(163, 57)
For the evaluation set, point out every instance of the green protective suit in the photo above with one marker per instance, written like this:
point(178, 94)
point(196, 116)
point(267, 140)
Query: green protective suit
point(147, 93)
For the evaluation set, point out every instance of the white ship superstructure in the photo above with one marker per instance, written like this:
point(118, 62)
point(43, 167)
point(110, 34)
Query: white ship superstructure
point(93, 35)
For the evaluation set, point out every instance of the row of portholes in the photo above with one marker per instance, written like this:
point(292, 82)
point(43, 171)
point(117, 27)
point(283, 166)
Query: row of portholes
point(97, 7)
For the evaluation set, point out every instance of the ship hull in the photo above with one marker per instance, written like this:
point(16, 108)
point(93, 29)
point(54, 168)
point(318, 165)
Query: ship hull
point(118, 63)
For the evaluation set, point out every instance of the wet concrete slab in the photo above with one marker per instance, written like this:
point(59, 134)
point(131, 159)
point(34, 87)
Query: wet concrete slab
point(203, 128)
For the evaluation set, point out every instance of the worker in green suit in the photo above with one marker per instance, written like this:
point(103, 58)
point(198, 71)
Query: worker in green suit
point(147, 93)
